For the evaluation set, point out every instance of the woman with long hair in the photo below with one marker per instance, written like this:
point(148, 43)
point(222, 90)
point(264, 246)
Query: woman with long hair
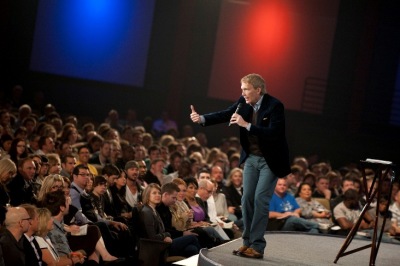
point(8, 169)
point(18, 150)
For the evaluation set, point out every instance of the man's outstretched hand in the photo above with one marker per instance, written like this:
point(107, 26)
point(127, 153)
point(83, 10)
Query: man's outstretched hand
point(194, 115)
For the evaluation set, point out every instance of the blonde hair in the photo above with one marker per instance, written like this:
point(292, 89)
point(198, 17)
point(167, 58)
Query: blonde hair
point(7, 166)
point(256, 81)
point(44, 216)
point(231, 173)
point(53, 158)
point(47, 185)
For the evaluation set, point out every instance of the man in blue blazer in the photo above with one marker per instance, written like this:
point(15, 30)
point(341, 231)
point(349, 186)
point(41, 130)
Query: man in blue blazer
point(265, 155)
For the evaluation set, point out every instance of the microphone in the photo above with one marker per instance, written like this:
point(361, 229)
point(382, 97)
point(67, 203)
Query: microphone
point(237, 111)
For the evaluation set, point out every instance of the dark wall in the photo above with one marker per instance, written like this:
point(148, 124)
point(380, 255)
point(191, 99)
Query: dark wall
point(353, 126)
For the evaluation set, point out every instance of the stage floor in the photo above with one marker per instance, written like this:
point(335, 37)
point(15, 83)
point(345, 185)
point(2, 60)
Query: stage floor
point(291, 249)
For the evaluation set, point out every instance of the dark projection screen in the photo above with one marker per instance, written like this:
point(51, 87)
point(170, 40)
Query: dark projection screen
point(97, 40)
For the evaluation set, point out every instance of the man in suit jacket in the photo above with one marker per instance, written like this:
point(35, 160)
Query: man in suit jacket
point(33, 253)
point(264, 153)
point(16, 224)
point(21, 186)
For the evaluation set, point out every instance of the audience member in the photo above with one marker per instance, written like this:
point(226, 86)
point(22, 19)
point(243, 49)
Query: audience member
point(311, 209)
point(54, 163)
point(133, 190)
point(8, 169)
point(46, 145)
point(322, 189)
point(217, 174)
point(103, 156)
point(68, 163)
point(155, 173)
point(83, 158)
point(21, 186)
point(153, 226)
point(233, 192)
point(348, 211)
point(33, 253)
point(18, 150)
point(17, 223)
point(284, 206)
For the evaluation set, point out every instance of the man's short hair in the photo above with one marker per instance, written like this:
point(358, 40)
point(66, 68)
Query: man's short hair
point(256, 81)
point(79, 167)
point(169, 188)
point(65, 157)
point(53, 201)
point(110, 169)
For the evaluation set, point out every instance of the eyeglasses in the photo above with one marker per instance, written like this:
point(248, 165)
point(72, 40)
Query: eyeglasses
point(26, 219)
point(87, 175)
point(57, 187)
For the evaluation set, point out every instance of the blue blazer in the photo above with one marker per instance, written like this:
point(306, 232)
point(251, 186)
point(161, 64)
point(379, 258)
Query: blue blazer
point(269, 128)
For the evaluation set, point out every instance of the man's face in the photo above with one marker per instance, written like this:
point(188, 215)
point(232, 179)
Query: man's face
point(206, 192)
point(132, 173)
point(66, 149)
point(106, 150)
point(281, 186)
point(49, 146)
point(69, 165)
point(322, 184)
point(84, 155)
point(111, 180)
point(154, 154)
point(217, 174)
point(169, 199)
point(158, 167)
point(142, 167)
point(28, 170)
point(25, 220)
point(204, 176)
point(250, 94)
point(347, 185)
point(81, 179)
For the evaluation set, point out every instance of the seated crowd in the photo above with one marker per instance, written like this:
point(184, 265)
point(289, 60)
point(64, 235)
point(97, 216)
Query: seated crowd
point(74, 194)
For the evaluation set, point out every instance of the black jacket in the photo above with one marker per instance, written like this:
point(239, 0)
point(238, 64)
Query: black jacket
point(270, 130)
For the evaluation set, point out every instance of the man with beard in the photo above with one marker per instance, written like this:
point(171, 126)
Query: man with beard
point(21, 187)
point(142, 171)
point(133, 190)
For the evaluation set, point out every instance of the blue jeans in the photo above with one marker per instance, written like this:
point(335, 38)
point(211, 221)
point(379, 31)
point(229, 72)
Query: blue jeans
point(294, 223)
point(258, 187)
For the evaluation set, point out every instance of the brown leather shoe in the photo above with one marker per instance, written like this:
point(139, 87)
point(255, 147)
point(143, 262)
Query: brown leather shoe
point(240, 250)
point(251, 253)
